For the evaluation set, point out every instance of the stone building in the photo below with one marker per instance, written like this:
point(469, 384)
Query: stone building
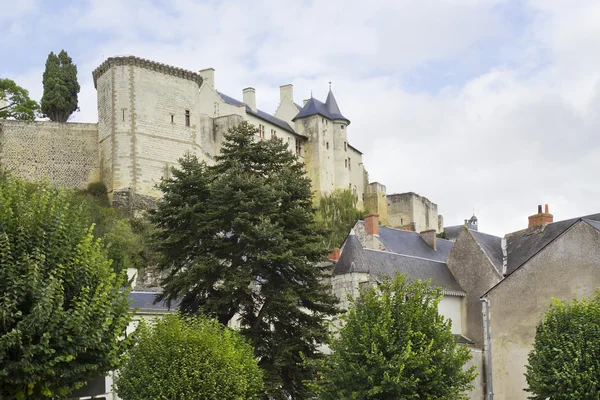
point(373, 252)
point(513, 279)
point(407, 211)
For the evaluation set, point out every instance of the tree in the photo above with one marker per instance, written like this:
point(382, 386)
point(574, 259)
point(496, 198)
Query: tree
point(180, 358)
point(395, 345)
point(17, 103)
point(59, 100)
point(565, 361)
point(62, 307)
point(240, 240)
point(337, 213)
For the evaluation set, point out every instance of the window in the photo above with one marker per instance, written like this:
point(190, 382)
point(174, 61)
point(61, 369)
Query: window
point(342, 127)
point(345, 146)
point(349, 167)
point(187, 117)
point(261, 131)
point(298, 147)
point(273, 133)
point(346, 163)
point(123, 109)
point(327, 145)
point(323, 120)
point(172, 119)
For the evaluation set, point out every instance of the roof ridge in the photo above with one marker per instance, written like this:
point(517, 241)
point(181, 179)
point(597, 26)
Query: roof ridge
point(404, 255)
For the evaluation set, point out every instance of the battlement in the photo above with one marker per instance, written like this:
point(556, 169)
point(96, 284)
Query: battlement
point(148, 64)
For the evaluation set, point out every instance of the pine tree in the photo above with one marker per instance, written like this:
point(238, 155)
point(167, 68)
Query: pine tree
point(61, 88)
point(565, 361)
point(241, 240)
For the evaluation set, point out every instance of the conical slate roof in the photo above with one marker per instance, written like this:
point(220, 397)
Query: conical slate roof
point(329, 109)
point(333, 107)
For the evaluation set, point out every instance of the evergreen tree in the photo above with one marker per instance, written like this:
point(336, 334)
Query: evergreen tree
point(395, 345)
point(61, 88)
point(565, 361)
point(181, 358)
point(63, 310)
point(15, 102)
point(240, 239)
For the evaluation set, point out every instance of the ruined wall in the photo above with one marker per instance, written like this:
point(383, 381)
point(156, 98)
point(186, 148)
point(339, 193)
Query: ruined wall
point(567, 268)
point(64, 154)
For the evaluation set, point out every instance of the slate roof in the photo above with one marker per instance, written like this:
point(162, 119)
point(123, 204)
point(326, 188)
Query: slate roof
point(329, 109)
point(492, 247)
point(524, 244)
point(410, 243)
point(258, 113)
point(452, 232)
point(144, 302)
point(382, 264)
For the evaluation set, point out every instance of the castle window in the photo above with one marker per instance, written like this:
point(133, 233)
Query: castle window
point(123, 113)
point(327, 145)
point(345, 146)
point(187, 117)
point(346, 163)
point(172, 119)
point(298, 147)
point(342, 126)
point(349, 163)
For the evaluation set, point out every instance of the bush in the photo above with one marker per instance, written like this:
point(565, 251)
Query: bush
point(180, 358)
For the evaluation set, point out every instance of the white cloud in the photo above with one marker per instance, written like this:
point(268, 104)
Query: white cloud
point(485, 105)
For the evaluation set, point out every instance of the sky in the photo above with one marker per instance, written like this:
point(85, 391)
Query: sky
point(484, 106)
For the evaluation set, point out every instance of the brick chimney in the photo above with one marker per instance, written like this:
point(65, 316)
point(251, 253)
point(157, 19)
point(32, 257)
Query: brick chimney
point(541, 218)
point(430, 238)
point(335, 254)
point(372, 224)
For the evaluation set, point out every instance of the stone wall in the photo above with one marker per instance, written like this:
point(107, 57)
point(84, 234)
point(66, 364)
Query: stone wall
point(410, 209)
point(567, 268)
point(63, 154)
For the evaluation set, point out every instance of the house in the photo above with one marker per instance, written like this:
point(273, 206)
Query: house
point(513, 279)
point(372, 252)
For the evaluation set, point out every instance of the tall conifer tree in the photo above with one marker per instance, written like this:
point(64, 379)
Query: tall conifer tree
point(241, 242)
point(61, 88)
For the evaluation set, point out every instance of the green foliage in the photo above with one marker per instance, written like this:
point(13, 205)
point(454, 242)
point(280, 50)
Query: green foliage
point(125, 238)
point(18, 104)
point(442, 235)
point(62, 307)
point(337, 213)
point(565, 361)
point(61, 88)
point(395, 345)
point(240, 237)
point(180, 358)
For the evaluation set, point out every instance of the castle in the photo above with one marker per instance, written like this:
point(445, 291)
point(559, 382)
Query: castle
point(151, 114)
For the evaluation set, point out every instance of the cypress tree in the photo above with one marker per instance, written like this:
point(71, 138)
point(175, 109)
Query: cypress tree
point(241, 243)
point(59, 100)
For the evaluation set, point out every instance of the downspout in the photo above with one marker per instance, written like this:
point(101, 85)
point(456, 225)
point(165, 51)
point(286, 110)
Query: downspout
point(488, 345)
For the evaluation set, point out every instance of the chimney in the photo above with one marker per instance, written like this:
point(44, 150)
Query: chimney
point(335, 254)
point(286, 91)
point(208, 76)
point(250, 98)
point(430, 237)
point(541, 218)
point(372, 224)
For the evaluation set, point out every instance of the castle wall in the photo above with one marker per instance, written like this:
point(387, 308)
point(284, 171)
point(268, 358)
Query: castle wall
point(63, 154)
point(357, 176)
point(409, 208)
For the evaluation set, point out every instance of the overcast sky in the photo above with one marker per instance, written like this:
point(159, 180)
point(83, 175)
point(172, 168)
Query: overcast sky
point(491, 106)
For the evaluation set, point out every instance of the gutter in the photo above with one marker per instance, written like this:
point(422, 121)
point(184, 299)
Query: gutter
point(488, 346)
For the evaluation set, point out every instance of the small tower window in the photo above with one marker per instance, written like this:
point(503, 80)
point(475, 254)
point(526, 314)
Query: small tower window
point(298, 147)
point(172, 119)
point(187, 117)
point(342, 127)
point(346, 163)
point(327, 145)
point(349, 167)
point(345, 146)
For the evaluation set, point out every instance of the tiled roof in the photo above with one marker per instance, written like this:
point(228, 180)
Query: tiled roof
point(258, 113)
point(144, 302)
point(382, 264)
point(492, 247)
point(412, 244)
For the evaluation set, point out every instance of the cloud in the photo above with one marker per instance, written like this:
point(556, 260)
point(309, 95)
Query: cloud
point(492, 106)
